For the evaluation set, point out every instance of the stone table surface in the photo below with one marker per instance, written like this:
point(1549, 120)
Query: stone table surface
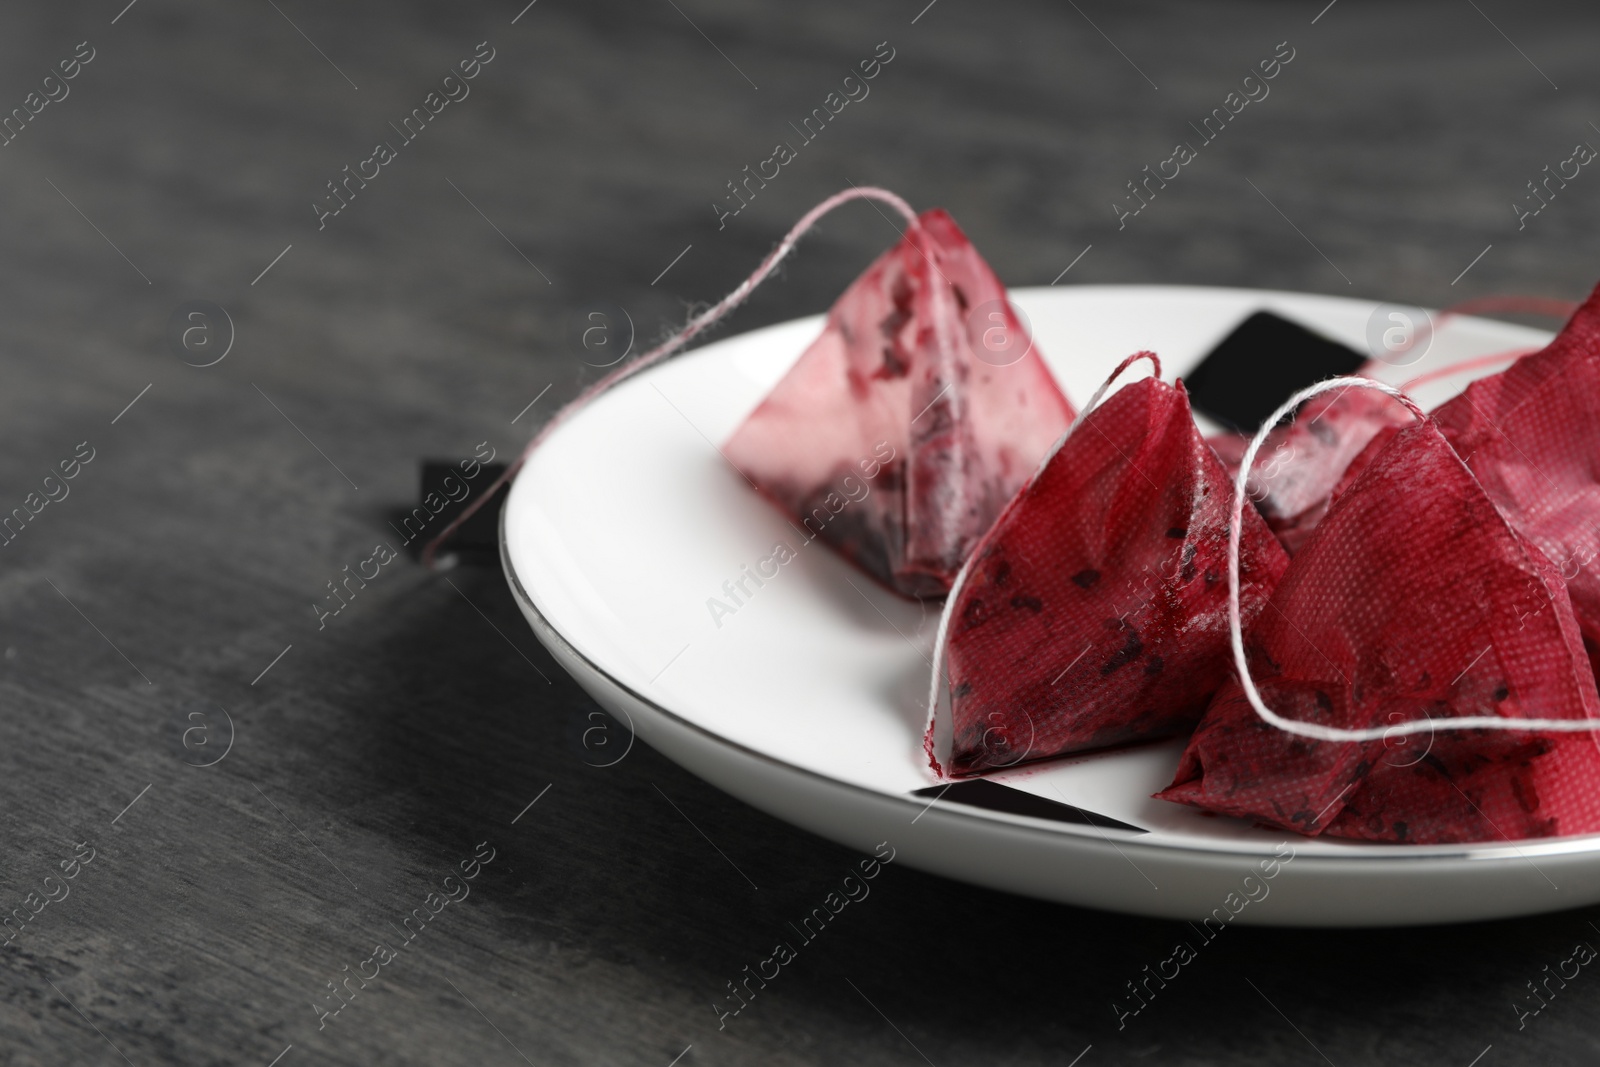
point(373, 752)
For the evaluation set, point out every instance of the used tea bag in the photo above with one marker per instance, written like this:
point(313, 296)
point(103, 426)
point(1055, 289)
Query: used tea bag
point(1298, 471)
point(1229, 447)
point(1095, 611)
point(1531, 434)
point(1414, 600)
point(903, 430)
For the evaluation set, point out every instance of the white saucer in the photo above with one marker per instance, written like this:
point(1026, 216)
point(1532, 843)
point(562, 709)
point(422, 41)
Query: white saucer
point(807, 701)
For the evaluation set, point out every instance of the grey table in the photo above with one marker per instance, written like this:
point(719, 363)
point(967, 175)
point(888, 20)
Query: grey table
point(168, 590)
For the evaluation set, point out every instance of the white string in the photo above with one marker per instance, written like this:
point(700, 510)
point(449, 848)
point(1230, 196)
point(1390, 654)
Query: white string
point(943, 632)
point(1236, 631)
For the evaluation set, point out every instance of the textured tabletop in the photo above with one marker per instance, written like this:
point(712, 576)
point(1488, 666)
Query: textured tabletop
point(216, 798)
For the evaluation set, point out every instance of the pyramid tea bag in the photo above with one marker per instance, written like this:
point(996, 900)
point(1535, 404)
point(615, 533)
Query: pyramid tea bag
point(1531, 434)
point(903, 430)
point(1414, 600)
point(1095, 612)
point(1301, 466)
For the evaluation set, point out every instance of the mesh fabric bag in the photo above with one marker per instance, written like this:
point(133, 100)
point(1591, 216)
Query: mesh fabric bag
point(1414, 598)
point(1095, 612)
point(925, 389)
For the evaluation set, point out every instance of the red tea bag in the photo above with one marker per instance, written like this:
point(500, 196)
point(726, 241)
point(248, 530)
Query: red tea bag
point(1229, 447)
point(1531, 434)
point(1297, 472)
point(904, 429)
point(1415, 600)
point(1095, 611)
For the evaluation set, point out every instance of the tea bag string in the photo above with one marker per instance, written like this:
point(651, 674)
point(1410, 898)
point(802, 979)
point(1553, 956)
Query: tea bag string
point(1236, 632)
point(674, 344)
point(940, 636)
point(1492, 304)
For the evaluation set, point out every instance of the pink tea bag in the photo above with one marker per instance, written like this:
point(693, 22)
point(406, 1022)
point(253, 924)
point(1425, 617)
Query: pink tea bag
point(1414, 599)
point(1299, 469)
point(1094, 613)
point(903, 430)
point(1531, 434)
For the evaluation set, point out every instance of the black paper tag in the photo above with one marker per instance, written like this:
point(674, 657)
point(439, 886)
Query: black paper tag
point(1258, 366)
point(982, 793)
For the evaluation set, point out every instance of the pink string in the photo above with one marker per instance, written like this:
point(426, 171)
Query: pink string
point(1236, 629)
point(1517, 305)
point(1511, 355)
point(695, 326)
point(1105, 386)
